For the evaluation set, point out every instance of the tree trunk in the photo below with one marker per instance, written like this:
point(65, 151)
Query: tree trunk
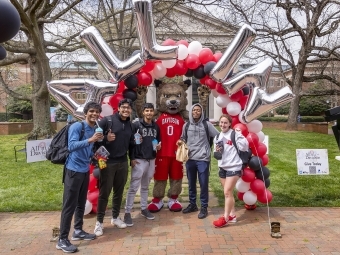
point(40, 74)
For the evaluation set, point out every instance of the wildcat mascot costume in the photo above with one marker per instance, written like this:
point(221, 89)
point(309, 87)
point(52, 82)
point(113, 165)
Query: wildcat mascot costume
point(170, 116)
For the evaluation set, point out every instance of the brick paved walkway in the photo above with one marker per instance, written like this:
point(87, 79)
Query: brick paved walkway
point(304, 231)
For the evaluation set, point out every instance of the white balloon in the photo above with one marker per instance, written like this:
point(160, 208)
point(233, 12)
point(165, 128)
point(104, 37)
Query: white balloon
point(240, 117)
point(106, 100)
point(254, 126)
point(159, 71)
point(222, 100)
point(242, 186)
point(88, 207)
point(107, 110)
point(261, 136)
point(195, 47)
point(233, 108)
point(182, 52)
point(249, 197)
point(169, 63)
point(214, 93)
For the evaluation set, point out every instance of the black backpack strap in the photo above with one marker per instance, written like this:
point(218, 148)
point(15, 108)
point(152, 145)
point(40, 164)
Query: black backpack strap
point(206, 128)
point(232, 136)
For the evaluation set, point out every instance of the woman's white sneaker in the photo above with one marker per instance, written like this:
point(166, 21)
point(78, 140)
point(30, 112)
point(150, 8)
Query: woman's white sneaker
point(98, 229)
point(118, 223)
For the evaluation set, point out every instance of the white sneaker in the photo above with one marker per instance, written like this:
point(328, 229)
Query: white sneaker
point(118, 223)
point(98, 229)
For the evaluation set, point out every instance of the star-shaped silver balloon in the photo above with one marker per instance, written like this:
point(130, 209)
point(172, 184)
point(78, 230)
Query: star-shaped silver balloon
point(65, 92)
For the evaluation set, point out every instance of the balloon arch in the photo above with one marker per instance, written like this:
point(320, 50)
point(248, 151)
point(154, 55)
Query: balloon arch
point(241, 95)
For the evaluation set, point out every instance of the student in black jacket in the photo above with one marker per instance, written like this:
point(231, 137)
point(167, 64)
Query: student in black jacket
point(118, 140)
point(144, 169)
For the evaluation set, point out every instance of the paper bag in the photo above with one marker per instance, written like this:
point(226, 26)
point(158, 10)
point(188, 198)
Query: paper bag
point(182, 153)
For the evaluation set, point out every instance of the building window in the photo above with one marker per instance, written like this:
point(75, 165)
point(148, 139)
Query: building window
point(281, 84)
point(271, 83)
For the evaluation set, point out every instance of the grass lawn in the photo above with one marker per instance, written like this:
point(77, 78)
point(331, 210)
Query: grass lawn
point(37, 186)
point(288, 188)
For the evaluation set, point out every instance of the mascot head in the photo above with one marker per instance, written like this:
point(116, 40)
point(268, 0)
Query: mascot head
point(172, 98)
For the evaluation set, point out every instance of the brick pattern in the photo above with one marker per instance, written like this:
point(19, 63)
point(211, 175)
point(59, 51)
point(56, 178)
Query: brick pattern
point(304, 231)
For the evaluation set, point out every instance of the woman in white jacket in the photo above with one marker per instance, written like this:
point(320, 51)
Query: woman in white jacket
point(230, 166)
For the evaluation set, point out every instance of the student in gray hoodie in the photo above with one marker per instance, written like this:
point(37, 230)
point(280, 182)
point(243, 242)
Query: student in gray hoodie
point(197, 136)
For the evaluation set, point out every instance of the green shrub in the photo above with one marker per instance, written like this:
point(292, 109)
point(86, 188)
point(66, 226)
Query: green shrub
point(9, 116)
point(19, 120)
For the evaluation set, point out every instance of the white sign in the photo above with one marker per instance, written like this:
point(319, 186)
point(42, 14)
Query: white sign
point(36, 150)
point(312, 161)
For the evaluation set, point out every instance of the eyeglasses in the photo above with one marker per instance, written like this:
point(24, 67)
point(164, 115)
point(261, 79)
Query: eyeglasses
point(125, 107)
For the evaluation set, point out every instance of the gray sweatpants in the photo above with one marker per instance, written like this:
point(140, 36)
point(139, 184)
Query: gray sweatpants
point(141, 175)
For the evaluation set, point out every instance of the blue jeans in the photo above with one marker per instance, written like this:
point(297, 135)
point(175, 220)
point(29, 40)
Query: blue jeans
point(200, 168)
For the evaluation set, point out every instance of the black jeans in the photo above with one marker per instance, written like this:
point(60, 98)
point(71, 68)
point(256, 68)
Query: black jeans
point(114, 177)
point(200, 168)
point(74, 200)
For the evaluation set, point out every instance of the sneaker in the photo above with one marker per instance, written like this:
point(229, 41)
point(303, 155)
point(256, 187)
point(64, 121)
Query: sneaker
point(190, 208)
point(82, 235)
point(232, 219)
point(203, 213)
point(220, 223)
point(66, 246)
point(147, 214)
point(128, 219)
point(98, 229)
point(118, 223)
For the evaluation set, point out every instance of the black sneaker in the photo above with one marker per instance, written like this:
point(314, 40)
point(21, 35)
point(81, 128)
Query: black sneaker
point(82, 235)
point(190, 208)
point(203, 213)
point(66, 246)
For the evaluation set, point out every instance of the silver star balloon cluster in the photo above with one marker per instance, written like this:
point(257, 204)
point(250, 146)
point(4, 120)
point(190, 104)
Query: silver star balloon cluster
point(255, 77)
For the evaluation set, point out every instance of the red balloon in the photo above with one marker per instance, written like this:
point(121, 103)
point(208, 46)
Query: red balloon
point(92, 183)
point(171, 72)
point(265, 159)
point(220, 89)
point(184, 42)
point(114, 100)
point(91, 167)
point(180, 67)
point(169, 42)
point(202, 81)
point(253, 140)
point(237, 96)
point(217, 56)
point(192, 61)
point(250, 207)
point(260, 150)
point(206, 55)
point(240, 195)
point(257, 186)
point(144, 78)
point(265, 196)
point(93, 197)
point(243, 129)
point(121, 87)
point(235, 120)
point(248, 175)
point(224, 110)
point(243, 101)
point(149, 66)
point(210, 83)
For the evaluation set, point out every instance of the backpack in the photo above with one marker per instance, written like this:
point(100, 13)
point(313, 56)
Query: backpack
point(210, 139)
point(244, 155)
point(58, 151)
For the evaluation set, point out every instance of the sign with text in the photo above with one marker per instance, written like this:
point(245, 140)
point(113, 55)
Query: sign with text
point(312, 161)
point(36, 150)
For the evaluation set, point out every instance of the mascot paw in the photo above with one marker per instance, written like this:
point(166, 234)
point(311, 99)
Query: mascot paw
point(156, 205)
point(141, 91)
point(203, 92)
point(174, 205)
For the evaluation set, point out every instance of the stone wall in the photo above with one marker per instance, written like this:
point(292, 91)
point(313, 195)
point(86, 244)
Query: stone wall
point(14, 128)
